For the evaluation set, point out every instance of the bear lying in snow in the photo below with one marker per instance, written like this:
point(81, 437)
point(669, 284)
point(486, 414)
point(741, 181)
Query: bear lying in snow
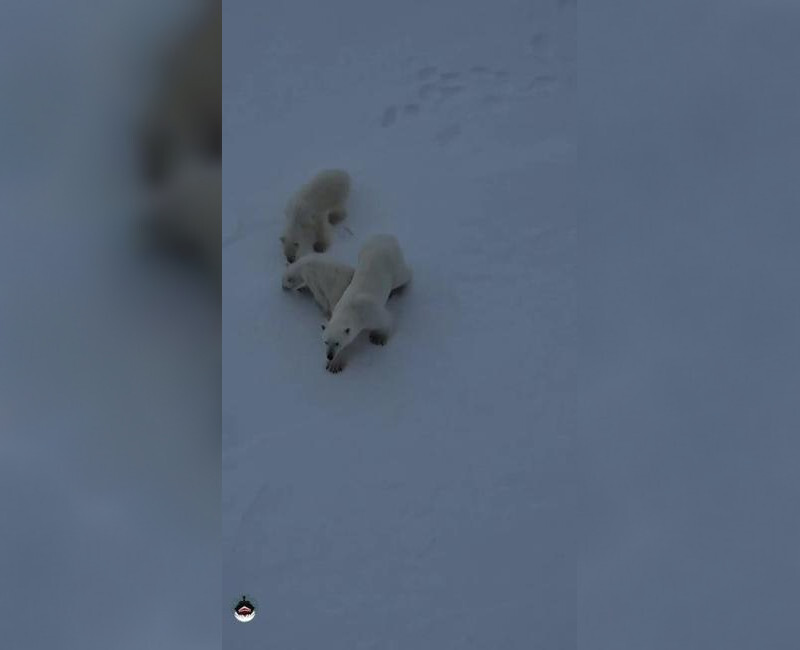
point(325, 278)
point(311, 211)
point(381, 270)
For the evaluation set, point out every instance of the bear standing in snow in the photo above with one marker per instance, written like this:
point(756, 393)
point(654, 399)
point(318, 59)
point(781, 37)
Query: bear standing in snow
point(311, 211)
point(327, 279)
point(381, 270)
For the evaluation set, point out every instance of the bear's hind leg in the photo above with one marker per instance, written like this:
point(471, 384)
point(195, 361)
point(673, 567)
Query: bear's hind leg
point(381, 326)
point(321, 235)
point(397, 291)
point(378, 337)
point(337, 214)
point(402, 280)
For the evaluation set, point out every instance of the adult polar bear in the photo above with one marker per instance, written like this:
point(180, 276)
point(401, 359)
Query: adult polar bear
point(381, 270)
point(311, 211)
point(325, 278)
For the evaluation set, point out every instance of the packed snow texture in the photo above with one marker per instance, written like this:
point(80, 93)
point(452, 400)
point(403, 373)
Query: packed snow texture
point(421, 498)
point(689, 319)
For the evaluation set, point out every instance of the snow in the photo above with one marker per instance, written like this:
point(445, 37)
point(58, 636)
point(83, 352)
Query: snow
point(689, 375)
point(424, 497)
point(421, 498)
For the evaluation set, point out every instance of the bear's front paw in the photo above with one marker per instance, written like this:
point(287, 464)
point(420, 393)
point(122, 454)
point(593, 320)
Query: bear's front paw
point(335, 366)
point(378, 338)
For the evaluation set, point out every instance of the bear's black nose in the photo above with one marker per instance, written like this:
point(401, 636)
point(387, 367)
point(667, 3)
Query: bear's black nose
point(319, 247)
point(330, 356)
point(290, 258)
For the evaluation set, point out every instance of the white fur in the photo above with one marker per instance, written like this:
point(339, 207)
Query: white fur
point(327, 279)
point(381, 269)
point(312, 210)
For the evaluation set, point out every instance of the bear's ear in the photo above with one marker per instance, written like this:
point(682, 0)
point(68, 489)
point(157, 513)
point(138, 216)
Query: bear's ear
point(323, 327)
point(283, 239)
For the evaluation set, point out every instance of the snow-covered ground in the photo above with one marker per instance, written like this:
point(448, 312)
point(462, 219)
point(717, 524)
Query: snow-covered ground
point(689, 273)
point(422, 498)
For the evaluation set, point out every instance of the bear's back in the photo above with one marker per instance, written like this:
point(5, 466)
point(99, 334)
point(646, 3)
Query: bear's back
point(327, 189)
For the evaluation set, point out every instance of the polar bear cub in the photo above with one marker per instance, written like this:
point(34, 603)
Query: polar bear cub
point(381, 269)
point(311, 211)
point(327, 279)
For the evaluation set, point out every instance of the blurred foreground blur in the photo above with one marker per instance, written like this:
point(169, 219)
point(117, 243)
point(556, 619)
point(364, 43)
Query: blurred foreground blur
point(109, 353)
point(181, 146)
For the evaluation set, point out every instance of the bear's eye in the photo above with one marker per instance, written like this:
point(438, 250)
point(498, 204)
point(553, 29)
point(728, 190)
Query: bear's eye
point(323, 329)
point(347, 330)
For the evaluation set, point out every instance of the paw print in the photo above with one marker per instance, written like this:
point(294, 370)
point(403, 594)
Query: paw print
point(389, 116)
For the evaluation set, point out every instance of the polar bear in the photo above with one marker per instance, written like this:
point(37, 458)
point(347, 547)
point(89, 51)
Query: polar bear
point(381, 270)
point(311, 211)
point(327, 279)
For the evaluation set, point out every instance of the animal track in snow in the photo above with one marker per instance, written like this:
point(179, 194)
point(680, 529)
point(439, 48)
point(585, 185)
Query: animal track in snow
point(492, 99)
point(426, 91)
point(448, 90)
point(448, 134)
point(389, 116)
point(542, 82)
point(426, 73)
point(541, 47)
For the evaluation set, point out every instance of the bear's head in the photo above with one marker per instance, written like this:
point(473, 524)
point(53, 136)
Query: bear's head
point(293, 279)
point(338, 333)
point(293, 243)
